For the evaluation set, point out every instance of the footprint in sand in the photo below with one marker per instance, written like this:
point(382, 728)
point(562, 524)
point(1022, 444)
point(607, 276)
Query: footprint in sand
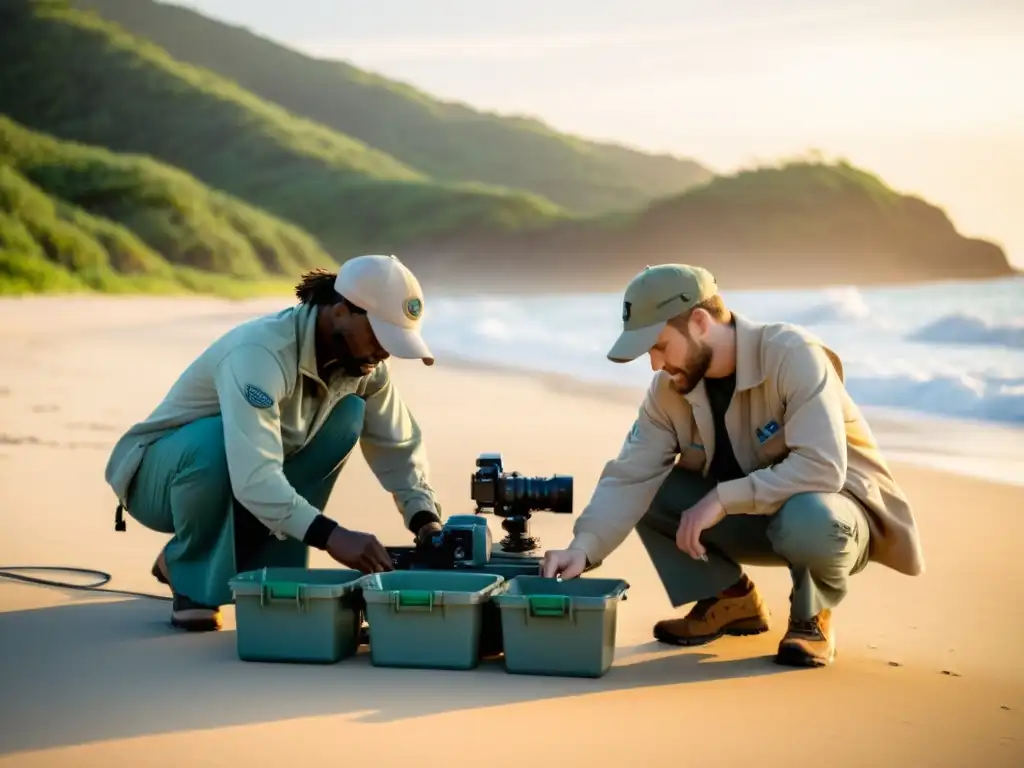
point(95, 427)
point(22, 440)
point(33, 440)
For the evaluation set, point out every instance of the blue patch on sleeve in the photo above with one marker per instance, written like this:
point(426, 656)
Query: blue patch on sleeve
point(767, 431)
point(257, 397)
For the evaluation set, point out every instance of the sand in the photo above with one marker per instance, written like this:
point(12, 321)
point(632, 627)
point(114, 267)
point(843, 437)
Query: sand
point(929, 670)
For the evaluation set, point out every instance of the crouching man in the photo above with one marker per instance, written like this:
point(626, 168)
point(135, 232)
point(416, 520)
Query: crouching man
point(239, 460)
point(747, 449)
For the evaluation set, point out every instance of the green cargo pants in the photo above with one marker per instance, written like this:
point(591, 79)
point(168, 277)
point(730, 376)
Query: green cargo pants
point(183, 488)
point(821, 537)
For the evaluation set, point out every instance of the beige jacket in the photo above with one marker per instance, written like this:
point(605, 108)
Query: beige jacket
point(794, 429)
point(277, 354)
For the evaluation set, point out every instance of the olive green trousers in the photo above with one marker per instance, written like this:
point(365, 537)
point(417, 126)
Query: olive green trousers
point(183, 488)
point(821, 537)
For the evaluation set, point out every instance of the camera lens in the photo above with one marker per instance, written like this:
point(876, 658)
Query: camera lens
point(553, 494)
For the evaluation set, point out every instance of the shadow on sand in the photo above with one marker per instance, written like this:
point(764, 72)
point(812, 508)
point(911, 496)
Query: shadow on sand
point(93, 671)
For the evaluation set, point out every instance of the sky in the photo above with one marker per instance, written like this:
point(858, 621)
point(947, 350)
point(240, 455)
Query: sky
point(927, 94)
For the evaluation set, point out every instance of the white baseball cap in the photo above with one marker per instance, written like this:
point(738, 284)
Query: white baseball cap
point(393, 300)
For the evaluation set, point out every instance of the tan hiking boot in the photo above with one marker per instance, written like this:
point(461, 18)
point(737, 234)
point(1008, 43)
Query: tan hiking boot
point(810, 643)
point(709, 619)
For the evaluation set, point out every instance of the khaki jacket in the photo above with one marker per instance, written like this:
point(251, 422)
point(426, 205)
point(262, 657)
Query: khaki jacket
point(794, 429)
point(276, 354)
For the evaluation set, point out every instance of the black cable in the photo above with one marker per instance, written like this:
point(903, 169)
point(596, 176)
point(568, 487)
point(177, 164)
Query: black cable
point(8, 572)
point(104, 577)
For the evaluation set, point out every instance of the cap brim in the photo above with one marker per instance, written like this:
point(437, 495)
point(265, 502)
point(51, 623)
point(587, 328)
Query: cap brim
point(632, 344)
point(401, 342)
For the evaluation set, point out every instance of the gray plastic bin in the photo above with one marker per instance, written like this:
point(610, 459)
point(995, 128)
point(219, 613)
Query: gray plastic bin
point(426, 618)
point(563, 628)
point(308, 615)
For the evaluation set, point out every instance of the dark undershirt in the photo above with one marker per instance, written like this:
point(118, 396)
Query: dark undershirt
point(723, 464)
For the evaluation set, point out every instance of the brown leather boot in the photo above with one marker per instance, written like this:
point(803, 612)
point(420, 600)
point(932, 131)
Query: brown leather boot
point(185, 613)
point(810, 643)
point(724, 614)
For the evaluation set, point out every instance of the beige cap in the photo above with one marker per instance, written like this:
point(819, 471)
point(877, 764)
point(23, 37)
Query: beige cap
point(393, 300)
point(654, 296)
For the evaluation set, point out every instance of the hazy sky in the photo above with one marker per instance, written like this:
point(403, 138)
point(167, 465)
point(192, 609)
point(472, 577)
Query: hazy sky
point(928, 94)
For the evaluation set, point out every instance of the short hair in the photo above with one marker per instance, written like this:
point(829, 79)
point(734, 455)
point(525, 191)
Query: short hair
point(713, 305)
point(316, 287)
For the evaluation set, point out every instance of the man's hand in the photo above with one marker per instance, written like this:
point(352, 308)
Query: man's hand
point(568, 563)
point(361, 551)
point(426, 531)
point(697, 519)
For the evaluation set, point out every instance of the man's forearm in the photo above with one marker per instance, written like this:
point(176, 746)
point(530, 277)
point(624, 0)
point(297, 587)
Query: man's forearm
point(628, 483)
point(322, 527)
point(319, 532)
point(621, 498)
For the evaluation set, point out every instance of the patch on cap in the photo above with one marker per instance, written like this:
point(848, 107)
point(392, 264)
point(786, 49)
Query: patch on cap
point(413, 308)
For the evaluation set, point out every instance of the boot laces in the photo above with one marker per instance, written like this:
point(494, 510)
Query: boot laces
point(807, 627)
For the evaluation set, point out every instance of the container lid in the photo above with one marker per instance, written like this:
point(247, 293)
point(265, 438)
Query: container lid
point(428, 588)
point(296, 583)
point(547, 596)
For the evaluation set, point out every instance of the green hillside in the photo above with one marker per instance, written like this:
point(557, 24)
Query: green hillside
point(444, 140)
point(807, 207)
point(49, 245)
point(123, 168)
point(808, 222)
point(73, 214)
point(93, 82)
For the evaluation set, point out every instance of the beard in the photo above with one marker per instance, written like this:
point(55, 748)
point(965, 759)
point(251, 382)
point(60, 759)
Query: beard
point(686, 378)
point(349, 364)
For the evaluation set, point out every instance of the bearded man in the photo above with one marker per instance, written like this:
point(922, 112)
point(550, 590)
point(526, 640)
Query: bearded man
point(747, 449)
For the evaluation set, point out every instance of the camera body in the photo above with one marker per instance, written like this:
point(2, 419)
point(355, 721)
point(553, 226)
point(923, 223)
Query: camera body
point(465, 541)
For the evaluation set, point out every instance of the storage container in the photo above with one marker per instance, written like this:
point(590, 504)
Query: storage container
point(510, 566)
point(423, 618)
point(563, 628)
point(491, 645)
point(309, 615)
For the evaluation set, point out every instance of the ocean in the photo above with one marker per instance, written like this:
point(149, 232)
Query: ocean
point(945, 359)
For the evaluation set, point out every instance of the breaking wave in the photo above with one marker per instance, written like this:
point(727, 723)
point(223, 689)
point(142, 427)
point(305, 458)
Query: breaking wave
point(919, 349)
point(970, 329)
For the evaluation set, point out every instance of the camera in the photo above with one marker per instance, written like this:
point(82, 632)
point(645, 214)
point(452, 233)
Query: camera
point(465, 540)
point(514, 497)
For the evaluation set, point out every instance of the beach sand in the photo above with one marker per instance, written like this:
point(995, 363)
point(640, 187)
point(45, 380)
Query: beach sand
point(929, 669)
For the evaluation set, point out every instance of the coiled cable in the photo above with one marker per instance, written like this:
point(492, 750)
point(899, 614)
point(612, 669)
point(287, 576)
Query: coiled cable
point(16, 573)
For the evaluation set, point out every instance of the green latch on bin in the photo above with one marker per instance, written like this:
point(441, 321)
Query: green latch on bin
point(549, 605)
point(414, 599)
point(271, 592)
